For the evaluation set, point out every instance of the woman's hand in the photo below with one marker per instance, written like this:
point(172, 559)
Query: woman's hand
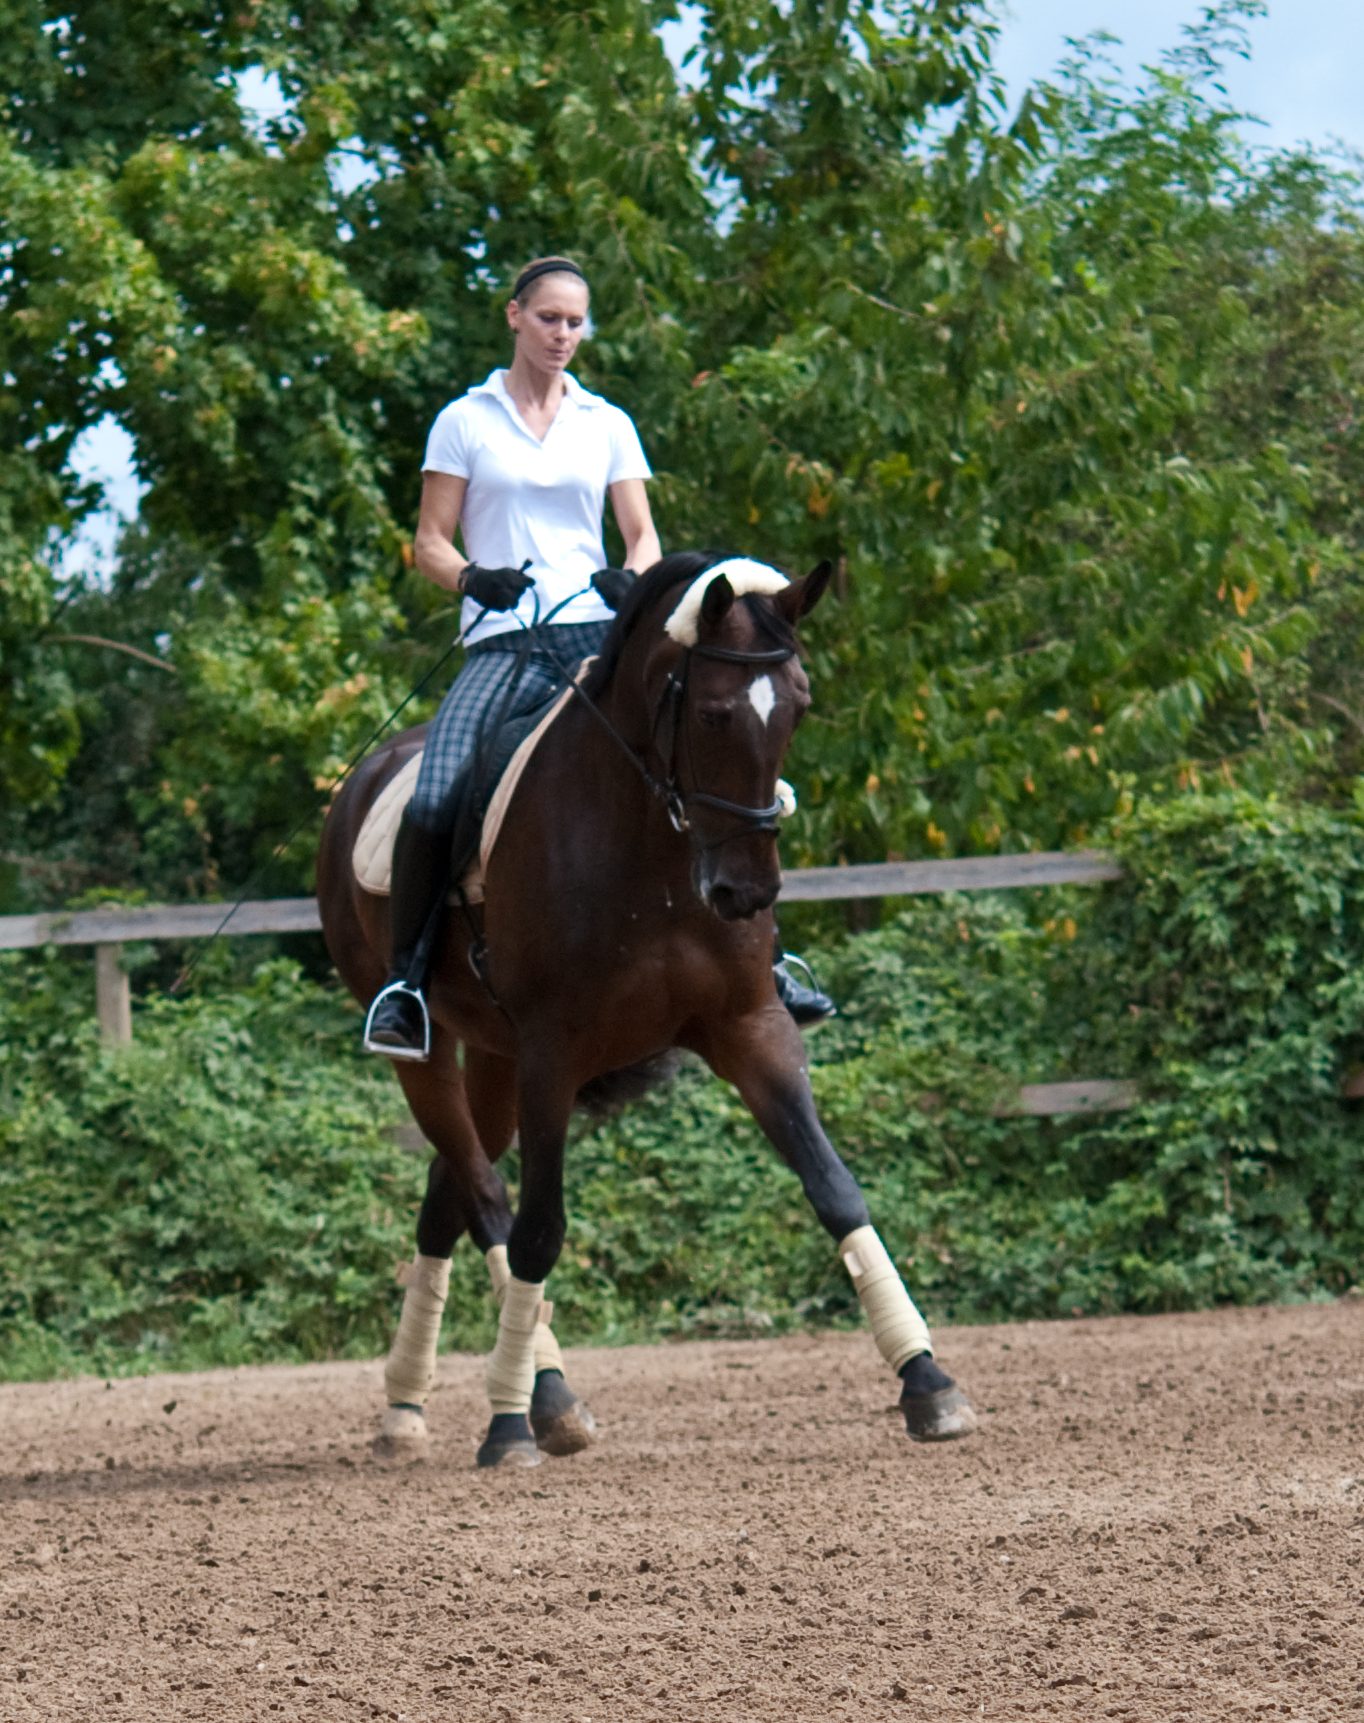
point(612, 585)
point(496, 588)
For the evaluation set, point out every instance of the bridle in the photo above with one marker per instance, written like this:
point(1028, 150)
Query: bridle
point(664, 733)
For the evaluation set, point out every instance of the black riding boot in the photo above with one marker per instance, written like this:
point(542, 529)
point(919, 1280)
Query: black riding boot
point(808, 1005)
point(398, 1024)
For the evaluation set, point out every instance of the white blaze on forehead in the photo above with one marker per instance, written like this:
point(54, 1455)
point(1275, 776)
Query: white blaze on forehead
point(742, 573)
point(762, 697)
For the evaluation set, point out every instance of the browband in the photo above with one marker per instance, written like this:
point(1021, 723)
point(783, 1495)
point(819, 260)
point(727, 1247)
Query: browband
point(551, 266)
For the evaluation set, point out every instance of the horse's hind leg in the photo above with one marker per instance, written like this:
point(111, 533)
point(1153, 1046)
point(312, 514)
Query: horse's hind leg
point(463, 1194)
point(763, 1057)
point(561, 1422)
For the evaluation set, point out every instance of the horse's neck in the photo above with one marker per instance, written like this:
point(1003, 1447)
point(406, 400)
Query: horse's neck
point(601, 776)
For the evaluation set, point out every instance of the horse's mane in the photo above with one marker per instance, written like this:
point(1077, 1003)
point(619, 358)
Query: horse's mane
point(678, 569)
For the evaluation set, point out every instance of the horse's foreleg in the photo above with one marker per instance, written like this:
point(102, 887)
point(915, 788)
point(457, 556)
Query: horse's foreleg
point(764, 1058)
point(545, 1099)
point(561, 1422)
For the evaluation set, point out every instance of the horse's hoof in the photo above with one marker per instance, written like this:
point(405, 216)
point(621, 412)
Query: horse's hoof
point(560, 1421)
point(566, 1433)
point(942, 1416)
point(509, 1443)
point(515, 1456)
point(402, 1436)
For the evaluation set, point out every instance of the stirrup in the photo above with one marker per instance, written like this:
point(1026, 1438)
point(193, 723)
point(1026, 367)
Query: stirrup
point(808, 1006)
point(386, 1048)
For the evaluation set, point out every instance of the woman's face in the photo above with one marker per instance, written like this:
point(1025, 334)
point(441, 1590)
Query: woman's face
point(551, 322)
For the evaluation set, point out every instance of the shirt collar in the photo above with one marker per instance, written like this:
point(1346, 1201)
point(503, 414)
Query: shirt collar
point(495, 384)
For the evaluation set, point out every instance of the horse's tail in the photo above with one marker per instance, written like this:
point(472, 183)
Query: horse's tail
point(607, 1094)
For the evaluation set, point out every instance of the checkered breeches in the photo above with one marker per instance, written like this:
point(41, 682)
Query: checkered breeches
point(479, 690)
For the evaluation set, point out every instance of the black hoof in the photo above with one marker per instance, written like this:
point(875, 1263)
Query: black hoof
point(561, 1422)
point(942, 1416)
point(935, 1409)
point(509, 1443)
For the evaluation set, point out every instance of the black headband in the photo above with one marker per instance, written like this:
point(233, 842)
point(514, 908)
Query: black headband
point(550, 266)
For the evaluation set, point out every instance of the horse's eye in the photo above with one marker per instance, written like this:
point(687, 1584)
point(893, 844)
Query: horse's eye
point(714, 717)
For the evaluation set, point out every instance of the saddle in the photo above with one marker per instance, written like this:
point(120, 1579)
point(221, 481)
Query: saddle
point(480, 798)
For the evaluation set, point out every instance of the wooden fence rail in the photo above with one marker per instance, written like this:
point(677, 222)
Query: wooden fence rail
point(108, 930)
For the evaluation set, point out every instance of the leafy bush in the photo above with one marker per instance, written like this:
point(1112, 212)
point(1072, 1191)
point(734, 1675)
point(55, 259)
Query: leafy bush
point(229, 1189)
point(223, 1190)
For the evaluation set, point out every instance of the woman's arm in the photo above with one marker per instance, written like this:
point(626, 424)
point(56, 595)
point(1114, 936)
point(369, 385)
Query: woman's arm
point(630, 505)
point(433, 548)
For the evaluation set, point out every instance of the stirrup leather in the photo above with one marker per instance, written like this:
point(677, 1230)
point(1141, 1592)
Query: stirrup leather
point(385, 1048)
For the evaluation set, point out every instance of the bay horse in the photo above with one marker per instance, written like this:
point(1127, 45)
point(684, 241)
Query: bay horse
point(627, 912)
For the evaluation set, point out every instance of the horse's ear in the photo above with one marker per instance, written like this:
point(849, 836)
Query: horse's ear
point(716, 601)
point(801, 596)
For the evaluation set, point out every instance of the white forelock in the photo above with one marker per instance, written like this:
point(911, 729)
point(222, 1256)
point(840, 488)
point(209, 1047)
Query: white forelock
point(742, 573)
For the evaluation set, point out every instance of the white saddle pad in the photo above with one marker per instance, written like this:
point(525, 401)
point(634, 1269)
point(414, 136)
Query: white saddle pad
point(372, 856)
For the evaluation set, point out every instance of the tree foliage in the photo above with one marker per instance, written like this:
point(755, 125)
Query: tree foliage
point(1070, 394)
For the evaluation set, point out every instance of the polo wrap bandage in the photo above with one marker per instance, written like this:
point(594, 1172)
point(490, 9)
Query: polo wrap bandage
point(411, 1364)
point(547, 1353)
point(898, 1329)
point(510, 1374)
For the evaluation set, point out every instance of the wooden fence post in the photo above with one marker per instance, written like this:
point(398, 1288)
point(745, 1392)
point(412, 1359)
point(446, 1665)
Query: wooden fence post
point(113, 997)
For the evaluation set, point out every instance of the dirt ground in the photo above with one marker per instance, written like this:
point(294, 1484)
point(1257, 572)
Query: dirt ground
point(1160, 1518)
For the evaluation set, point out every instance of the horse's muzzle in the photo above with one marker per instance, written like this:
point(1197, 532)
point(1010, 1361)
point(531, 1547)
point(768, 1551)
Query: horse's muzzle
point(737, 900)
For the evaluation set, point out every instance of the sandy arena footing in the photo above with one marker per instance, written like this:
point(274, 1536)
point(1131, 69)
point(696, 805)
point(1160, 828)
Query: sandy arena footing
point(1161, 1519)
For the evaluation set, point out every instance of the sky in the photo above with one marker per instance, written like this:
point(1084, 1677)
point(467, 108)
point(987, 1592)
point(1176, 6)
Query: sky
point(1303, 81)
point(1303, 78)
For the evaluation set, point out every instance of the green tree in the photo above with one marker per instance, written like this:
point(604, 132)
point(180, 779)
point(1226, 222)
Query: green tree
point(1013, 371)
point(1068, 393)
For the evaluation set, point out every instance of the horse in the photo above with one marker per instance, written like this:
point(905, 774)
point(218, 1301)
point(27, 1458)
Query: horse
point(627, 912)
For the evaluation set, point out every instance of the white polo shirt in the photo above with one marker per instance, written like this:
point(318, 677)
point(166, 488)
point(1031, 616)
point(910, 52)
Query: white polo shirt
point(528, 498)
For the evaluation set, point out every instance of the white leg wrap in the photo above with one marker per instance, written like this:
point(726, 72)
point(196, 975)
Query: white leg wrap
point(510, 1373)
point(412, 1362)
point(896, 1325)
point(547, 1353)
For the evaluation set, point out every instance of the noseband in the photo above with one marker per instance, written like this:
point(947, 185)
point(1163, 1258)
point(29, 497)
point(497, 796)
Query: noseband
point(666, 729)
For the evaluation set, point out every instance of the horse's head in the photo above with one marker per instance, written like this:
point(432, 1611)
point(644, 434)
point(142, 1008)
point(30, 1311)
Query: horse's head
point(726, 690)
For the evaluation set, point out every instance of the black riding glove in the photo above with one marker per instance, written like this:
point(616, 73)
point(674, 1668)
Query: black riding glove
point(497, 588)
point(613, 585)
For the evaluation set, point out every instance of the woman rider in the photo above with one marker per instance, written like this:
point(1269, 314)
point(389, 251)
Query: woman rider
point(522, 465)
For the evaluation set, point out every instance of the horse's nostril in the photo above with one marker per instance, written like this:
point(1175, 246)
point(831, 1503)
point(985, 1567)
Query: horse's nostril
point(723, 901)
point(737, 903)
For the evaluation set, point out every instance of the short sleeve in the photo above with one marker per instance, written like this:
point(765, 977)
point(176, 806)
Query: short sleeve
point(627, 452)
point(448, 448)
